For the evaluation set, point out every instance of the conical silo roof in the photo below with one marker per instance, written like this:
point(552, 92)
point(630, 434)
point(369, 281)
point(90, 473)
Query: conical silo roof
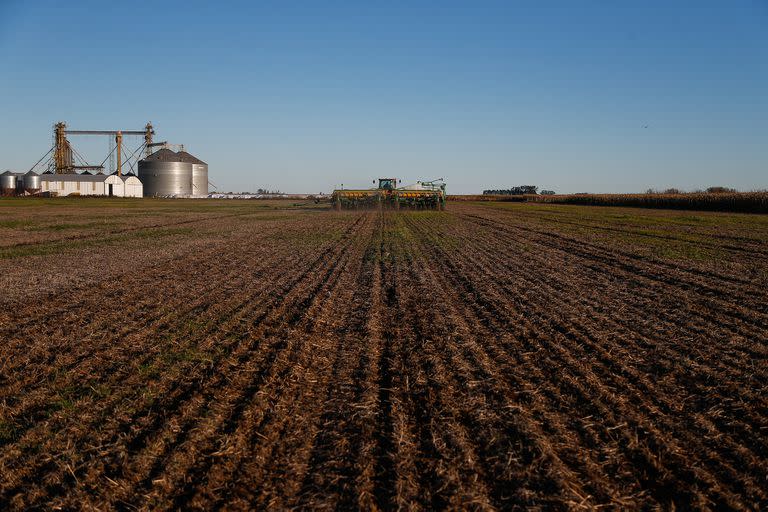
point(164, 155)
point(186, 157)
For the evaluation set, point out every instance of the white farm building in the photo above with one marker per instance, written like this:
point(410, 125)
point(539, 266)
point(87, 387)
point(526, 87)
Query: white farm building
point(91, 185)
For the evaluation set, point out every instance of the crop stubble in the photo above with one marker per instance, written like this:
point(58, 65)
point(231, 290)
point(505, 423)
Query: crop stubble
point(477, 358)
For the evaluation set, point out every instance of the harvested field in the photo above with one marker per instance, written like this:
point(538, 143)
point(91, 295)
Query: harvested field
point(199, 354)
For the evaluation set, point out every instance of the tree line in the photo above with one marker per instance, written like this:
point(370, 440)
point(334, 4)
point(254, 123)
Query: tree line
point(520, 190)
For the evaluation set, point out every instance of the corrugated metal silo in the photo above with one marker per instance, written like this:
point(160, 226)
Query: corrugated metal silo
point(199, 174)
point(32, 182)
point(7, 183)
point(164, 174)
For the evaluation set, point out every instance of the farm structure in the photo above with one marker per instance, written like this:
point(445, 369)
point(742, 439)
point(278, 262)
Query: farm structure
point(91, 185)
point(166, 173)
point(17, 183)
point(278, 355)
point(161, 173)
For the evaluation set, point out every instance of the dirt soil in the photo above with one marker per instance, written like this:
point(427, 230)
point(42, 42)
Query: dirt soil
point(171, 355)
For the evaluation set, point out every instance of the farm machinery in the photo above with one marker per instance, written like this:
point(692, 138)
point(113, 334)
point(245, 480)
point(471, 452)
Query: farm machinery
point(424, 195)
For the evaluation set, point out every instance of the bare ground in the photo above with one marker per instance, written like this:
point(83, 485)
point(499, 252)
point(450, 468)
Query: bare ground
point(485, 357)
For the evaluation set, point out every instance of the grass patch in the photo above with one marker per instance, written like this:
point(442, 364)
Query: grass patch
point(60, 246)
point(636, 216)
point(16, 223)
point(665, 234)
point(190, 355)
point(308, 238)
point(8, 432)
point(671, 249)
point(65, 226)
point(148, 369)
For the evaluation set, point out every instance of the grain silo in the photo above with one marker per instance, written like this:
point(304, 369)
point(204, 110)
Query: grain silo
point(163, 173)
point(199, 174)
point(8, 183)
point(31, 182)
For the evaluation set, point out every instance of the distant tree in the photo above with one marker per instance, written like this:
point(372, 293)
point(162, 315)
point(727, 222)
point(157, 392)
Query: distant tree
point(514, 191)
point(547, 192)
point(720, 190)
point(672, 191)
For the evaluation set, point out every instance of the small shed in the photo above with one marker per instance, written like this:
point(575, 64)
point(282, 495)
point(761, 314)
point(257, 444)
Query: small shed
point(132, 187)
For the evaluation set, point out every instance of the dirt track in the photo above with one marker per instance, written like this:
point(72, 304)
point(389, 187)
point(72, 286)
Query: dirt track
point(482, 357)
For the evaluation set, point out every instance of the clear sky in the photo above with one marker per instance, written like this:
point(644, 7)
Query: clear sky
point(301, 96)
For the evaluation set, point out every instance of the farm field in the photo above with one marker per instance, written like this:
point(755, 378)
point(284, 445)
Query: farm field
point(271, 354)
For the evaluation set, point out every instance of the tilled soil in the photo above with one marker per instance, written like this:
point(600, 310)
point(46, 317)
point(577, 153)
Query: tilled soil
point(475, 358)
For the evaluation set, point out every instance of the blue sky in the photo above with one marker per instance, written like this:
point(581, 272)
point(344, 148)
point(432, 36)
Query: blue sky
point(301, 96)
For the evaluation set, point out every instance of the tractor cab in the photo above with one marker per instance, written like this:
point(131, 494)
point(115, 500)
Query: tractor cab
point(387, 183)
